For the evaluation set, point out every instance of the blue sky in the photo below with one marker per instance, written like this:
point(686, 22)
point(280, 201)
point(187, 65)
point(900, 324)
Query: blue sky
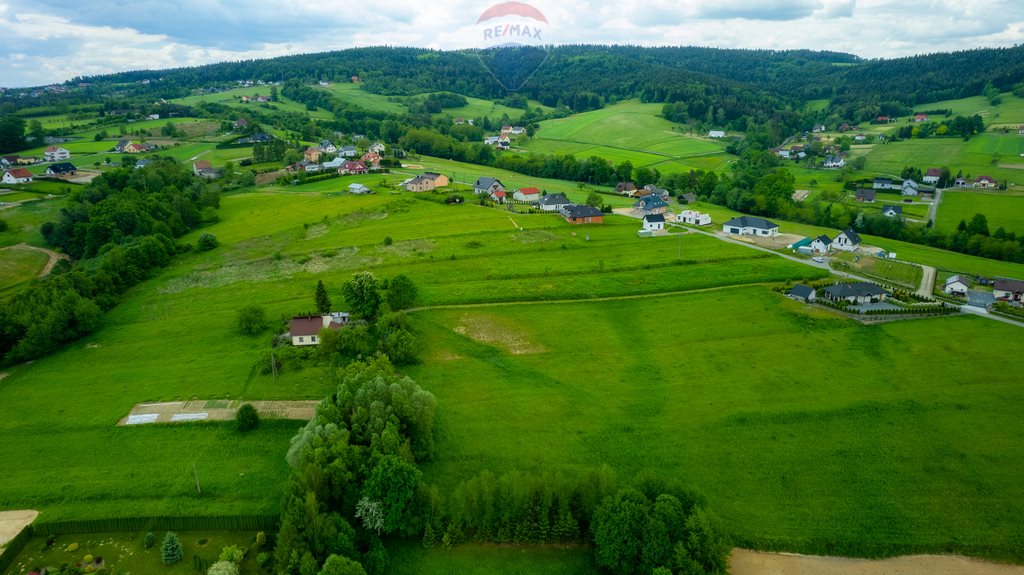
point(53, 40)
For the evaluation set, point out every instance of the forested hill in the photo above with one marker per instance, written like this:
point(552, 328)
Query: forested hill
point(754, 84)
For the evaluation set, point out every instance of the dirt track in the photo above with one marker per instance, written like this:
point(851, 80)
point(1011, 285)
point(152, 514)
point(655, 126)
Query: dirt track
point(54, 256)
point(215, 410)
point(746, 562)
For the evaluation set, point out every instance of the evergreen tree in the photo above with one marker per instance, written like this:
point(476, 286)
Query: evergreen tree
point(171, 551)
point(322, 300)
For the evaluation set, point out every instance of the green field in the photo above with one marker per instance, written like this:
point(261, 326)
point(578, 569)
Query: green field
point(803, 430)
point(25, 221)
point(356, 95)
point(987, 154)
point(1001, 209)
point(18, 267)
point(1010, 111)
point(886, 270)
point(232, 98)
point(629, 131)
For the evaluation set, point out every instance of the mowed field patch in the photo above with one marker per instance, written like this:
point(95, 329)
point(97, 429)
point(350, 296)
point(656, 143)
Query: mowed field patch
point(803, 430)
point(1001, 209)
point(498, 332)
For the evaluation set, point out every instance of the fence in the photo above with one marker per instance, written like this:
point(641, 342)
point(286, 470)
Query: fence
point(14, 547)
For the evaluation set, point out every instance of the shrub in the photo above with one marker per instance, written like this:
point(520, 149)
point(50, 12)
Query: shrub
point(263, 559)
point(223, 568)
point(3, 226)
point(246, 418)
point(87, 559)
point(206, 242)
point(252, 319)
point(388, 241)
point(72, 548)
point(171, 551)
point(149, 540)
point(261, 539)
point(232, 553)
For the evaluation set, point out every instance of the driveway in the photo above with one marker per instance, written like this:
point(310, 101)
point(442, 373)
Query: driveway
point(979, 298)
point(874, 306)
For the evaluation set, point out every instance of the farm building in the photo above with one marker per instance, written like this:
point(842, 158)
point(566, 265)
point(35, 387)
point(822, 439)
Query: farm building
point(716, 134)
point(847, 241)
point(856, 292)
point(650, 204)
point(17, 176)
point(554, 202)
point(910, 187)
point(687, 198)
point(802, 247)
point(892, 211)
point(486, 185)
point(956, 285)
point(531, 195)
point(932, 176)
point(359, 189)
point(750, 226)
point(821, 244)
point(804, 293)
point(204, 169)
point(582, 214)
point(654, 222)
point(56, 154)
point(866, 195)
point(62, 169)
point(694, 217)
point(1009, 290)
point(305, 330)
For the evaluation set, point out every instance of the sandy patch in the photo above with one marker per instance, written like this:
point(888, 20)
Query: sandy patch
point(801, 195)
point(3, 374)
point(746, 562)
point(771, 242)
point(12, 522)
point(1012, 166)
point(215, 409)
point(486, 329)
point(413, 166)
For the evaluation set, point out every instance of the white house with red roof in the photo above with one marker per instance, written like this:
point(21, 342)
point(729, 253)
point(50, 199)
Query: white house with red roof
point(56, 154)
point(17, 176)
point(305, 330)
point(985, 182)
point(531, 195)
point(351, 167)
point(920, 117)
point(932, 176)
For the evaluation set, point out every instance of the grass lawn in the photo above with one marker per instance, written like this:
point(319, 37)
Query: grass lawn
point(1009, 111)
point(24, 221)
point(233, 96)
point(803, 430)
point(987, 154)
point(355, 94)
point(1002, 209)
point(10, 197)
point(410, 558)
point(18, 267)
point(630, 131)
point(127, 553)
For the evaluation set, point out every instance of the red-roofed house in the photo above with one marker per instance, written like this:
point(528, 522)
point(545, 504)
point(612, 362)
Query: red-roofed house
point(371, 158)
point(920, 117)
point(932, 176)
point(498, 196)
point(985, 182)
point(531, 195)
point(883, 119)
point(305, 330)
point(351, 167)
point(17, 176)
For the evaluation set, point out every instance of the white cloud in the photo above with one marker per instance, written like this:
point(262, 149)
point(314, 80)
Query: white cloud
point(53, 40)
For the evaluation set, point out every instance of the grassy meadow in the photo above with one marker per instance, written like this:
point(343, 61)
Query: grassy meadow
point(18, 267)
point(803, 430)
point(984, 155)
point(1001, 209)
point(356, 95)
point(1010, 111)
point(629, 131)
point(233, 97)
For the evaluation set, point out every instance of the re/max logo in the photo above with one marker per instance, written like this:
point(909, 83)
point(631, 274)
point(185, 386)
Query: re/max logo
point(508, 30)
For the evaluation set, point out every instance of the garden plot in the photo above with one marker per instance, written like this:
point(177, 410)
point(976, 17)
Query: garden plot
point(215, 410)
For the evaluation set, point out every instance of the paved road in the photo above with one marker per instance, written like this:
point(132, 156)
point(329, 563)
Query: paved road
point(934, 210)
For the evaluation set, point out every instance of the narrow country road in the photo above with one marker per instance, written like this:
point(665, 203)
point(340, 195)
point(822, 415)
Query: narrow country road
point(54, 256)
point(927, 281)
point(933, 211)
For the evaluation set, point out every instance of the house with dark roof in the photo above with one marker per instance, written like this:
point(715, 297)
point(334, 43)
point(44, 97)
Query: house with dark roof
point(1009, 290)
point(582, 214)
point(654, 222)
point(821, 244)
point(910, 187)
point(885, 184)
point(17, 176)
point(866, 195)
point(985, 182)
point(687, 198)
point(348, 151)
point(892, 211)
point(626, 188)
point(63, 169)
point(804, 293)
point(531, 195)
point(847, 241)
point(553, 202)
point(855, 293)
point(932, 176)
point(305, 330)
point(750, 226)
point(327, 147)
point(352, 167)
point(956, 285)
point(651, 204)
point(487, 186)
point(204, 169)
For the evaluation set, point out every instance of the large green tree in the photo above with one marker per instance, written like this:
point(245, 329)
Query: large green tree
point(362, 293)
point(338, 565)
point(12, 133)
point(401, 292)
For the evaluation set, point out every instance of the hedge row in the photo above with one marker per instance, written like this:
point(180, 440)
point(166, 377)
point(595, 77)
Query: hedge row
point(14, 547)
point(143, 524)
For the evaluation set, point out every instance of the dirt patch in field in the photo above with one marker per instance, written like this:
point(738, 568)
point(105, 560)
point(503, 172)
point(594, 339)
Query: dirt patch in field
point(744, 562)
point(410, 248)
point(413, 166)
point(771, 242)
point(3, 374)
point(1012, 166)
point(12, 522)
point(215, 410)
point(801, 195)
point(488, 330)
point(534, 236)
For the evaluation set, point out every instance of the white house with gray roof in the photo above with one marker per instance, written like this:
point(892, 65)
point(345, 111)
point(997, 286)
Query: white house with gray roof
point(750, 226)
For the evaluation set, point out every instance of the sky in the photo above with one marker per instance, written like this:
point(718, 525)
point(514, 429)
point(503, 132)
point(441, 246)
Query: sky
point(48, 41)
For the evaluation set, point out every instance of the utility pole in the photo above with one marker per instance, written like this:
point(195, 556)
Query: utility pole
point(273, 365)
